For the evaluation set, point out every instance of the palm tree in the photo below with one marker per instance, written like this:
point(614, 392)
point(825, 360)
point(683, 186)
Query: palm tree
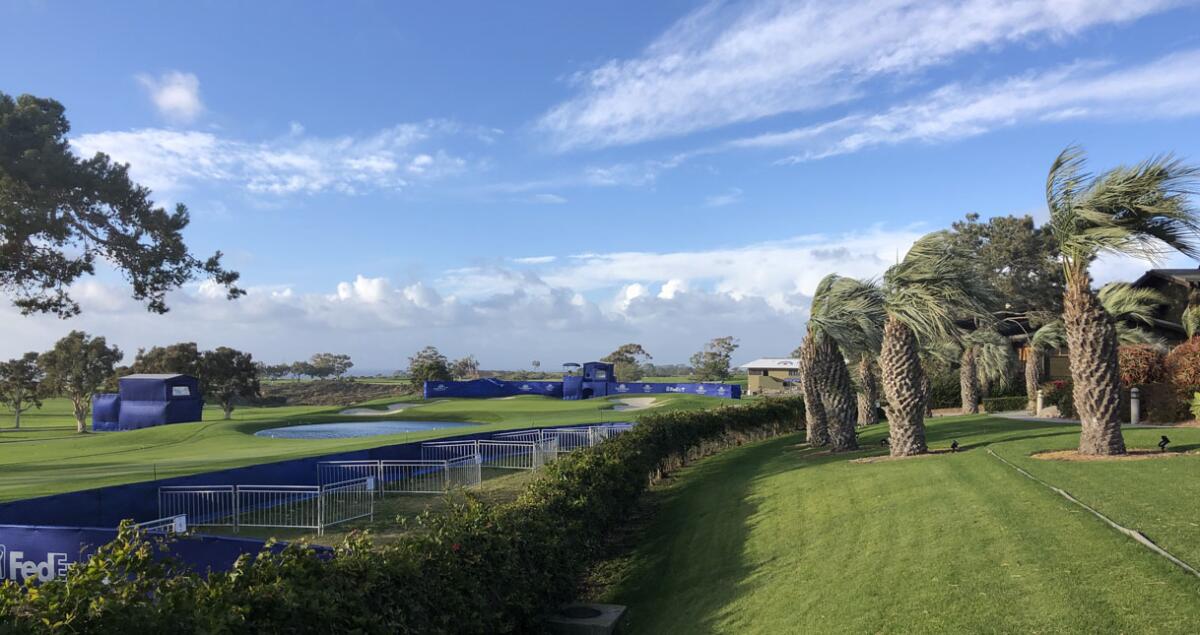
point(1141, 211)
point(922, 297)
point(868, 389)
point(845, 320)
point(986, 362)
point(1122, 301)
point(816, 426)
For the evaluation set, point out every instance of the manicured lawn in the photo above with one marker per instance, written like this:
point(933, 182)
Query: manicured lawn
point(776, 538)
point(47, 456)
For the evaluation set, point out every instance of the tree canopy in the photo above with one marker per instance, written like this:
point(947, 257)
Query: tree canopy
point(713, 361)
point(20, 383)
point(59, 214)
point(428, 364)
point(627, 361)
point(226, 374)
point(1015, 258)
point(76, 366)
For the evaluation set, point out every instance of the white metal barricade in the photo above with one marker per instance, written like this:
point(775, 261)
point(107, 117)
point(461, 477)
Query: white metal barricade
point(338, 471)
point(465, 472)
point(169, 525)
point(346, 501)
point(416, 477)
point(285, 506)
point(209, 505)
point(448, 450)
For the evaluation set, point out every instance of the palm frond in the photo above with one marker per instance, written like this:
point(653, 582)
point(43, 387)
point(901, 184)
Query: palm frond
point(994, 358)
point(1131, 335)
point(1142, 211)
point(1124, 301)
point(933, 287)
point(1191, 320)
point(850, 312)
point(1052, 335)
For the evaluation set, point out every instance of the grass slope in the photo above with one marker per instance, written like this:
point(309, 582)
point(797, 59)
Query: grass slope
point(47, 456)
point(778, 538)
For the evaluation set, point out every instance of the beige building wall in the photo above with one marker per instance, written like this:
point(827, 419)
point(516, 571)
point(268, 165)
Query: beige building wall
point(766, 381)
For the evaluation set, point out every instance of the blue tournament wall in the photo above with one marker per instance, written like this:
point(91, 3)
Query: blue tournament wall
point(43, 553)
point(106, 411)
point(108, 506)
point(572, 387)
point(491, 388)
point(723, 391)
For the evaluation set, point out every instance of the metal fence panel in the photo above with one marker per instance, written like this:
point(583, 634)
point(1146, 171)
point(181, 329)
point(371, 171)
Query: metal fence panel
point(210, 505)
point(346, 501)
point(415, 477)
point(169, 525)
point(508, 455)
point(466, 472)
point(286, 506)
point(448, 450)
point(338, 471)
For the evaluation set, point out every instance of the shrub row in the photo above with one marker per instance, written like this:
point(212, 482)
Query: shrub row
point(476, 569)
point(1004, 404)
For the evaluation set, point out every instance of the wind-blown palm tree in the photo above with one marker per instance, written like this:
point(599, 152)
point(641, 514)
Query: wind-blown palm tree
point(1122, 301)
point(986, 361)
point(845, 320)
point(816, 425)
point(868, 389)
point(1141, 211)
point(922, 297)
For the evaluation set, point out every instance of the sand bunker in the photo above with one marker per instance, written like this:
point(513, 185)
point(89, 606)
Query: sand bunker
point(1133, 454)
point(366, 412)
point(634, 403)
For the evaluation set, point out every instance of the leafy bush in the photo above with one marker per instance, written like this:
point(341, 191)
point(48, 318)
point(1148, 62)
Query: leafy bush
point(1183, 366)
point(1160, 403)
point(1141, 364)
point(476, 569)
point(1004, 404)
point(1059, 393)
point(945, 390)
point(1195, 407)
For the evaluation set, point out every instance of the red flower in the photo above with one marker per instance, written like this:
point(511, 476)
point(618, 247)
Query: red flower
point(455, 547)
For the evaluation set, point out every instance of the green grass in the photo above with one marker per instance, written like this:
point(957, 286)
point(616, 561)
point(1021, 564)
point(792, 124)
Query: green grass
point(47, 456)
point(777, 538)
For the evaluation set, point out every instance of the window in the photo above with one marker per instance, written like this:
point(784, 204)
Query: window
point(601, 375)
point(181, 391)
point(793, 372)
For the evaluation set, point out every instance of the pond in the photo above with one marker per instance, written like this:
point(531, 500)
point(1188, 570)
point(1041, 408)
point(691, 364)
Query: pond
point(350, 429)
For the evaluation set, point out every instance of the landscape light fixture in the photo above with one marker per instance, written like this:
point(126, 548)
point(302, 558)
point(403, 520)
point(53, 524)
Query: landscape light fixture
point(1162, 444)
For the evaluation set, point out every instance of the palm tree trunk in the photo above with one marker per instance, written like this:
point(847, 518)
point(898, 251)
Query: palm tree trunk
point(815, 425)
point(904, 386)
point(968, 382)
point(868, 393)
point(1092, 350)
point(837, 395)
point(1033, 367)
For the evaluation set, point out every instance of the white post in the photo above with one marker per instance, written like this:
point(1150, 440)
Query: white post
point(1135, 406)
point(1039, 403)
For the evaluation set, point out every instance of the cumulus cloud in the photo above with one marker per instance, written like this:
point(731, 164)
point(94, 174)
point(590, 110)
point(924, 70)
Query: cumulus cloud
point(392, 158)
point(733, 62)
point(1163, 88)
point(581, 306)
point(176, 95)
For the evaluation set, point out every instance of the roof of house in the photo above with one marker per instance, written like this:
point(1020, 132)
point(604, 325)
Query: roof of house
point(1178, 276)
point(773, 363)
point(153, 376)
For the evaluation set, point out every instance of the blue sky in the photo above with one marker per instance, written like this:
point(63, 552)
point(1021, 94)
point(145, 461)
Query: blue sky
point(548, 180)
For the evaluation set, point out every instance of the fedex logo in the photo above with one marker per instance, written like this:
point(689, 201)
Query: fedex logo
point(14, 566)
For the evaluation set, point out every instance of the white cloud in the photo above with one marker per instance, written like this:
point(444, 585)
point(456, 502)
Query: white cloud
point(575, 308)
point(734, 62)
point(175, 94)
point(733, 195)
point(548, 199)
point(535, 260)
point(1163, 88)
point(168, 160)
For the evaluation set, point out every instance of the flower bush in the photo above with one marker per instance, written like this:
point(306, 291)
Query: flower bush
point(476, 569)
point(1059, 393)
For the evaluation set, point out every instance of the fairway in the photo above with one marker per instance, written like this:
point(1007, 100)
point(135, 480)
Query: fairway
point(777, 538)
point(47, 456)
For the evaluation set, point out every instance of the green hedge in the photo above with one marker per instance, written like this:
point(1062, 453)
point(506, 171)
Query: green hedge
point(476, 569)
point(1004, 404)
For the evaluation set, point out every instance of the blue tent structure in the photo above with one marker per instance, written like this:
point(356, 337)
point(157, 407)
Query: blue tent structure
point(147, 400)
